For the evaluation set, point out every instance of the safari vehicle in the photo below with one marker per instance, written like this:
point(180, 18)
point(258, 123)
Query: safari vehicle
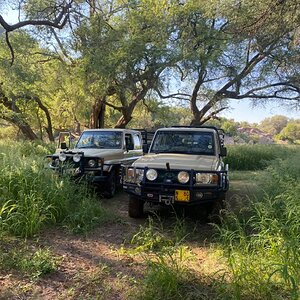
point(98, 156)
point(183, 167)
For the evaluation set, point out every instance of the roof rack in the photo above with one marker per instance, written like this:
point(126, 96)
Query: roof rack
point(196, 126)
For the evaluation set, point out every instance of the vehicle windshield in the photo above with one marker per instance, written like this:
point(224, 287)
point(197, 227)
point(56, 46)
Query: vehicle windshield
point(100, 140)
point(191, 142)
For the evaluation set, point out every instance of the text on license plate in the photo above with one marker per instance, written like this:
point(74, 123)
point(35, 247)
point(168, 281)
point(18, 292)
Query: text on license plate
point(182, 195)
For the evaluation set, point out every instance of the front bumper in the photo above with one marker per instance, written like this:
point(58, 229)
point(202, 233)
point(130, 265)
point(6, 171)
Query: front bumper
point(79, 170)
point(167, 193)
point(93, 176)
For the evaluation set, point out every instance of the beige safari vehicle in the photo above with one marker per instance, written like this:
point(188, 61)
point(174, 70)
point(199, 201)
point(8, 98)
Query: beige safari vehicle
point(183, 167)
point(98, 156)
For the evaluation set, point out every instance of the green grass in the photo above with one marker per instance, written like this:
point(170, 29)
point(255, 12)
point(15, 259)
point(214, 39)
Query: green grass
point(30, 261)
point(256, 157)
point(262, 247)
point(33, 196)
point(163, 247)
point(244, 175)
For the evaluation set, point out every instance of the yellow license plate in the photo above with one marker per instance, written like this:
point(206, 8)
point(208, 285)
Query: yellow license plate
point(182, 195)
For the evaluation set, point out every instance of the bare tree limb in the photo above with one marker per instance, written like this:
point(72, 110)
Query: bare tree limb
point(12, 53)
point(179, 96)
point(213, 115)
point(58, 23)
point(62, 48)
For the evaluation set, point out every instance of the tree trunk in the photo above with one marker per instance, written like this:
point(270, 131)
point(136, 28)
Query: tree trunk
point(122, 122)
point(97, 116)
point(23, 126)
point(14, 117)
point(48, 128)
point(128, 110)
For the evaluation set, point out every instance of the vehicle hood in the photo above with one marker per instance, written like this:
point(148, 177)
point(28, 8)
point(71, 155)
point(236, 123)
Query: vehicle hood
point(179, 161)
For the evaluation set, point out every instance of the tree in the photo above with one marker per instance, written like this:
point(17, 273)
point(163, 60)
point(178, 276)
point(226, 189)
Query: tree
point(39, 93)
point(237, 51)
point(291, 132)
point(113, 56)
point(53, 14)
point(273, 125)
point(125, 52)
point(17, 95)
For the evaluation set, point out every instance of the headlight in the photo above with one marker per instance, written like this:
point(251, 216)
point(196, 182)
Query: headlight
point(207, 178)
point(136, 176)
point(151, 174)
point(55, 162)
point(183, 177)
point(76, 157)
point(62, 156)
point(92, 163)
point(139, 174)
point(130, 174)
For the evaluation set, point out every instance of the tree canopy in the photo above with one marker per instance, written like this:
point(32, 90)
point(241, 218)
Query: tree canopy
point(103, 63)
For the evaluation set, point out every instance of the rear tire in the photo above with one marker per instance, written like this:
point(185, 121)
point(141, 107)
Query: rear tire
point(135, 207)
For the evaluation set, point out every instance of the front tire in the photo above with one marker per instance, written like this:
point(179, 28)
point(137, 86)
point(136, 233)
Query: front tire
point(216, 211)
point(135, 207)
point(112, 186)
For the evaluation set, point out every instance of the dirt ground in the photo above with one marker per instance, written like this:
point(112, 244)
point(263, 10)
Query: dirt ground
point(94, 267)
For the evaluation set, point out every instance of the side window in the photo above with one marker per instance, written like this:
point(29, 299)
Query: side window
point(137, 142)
point(129, 141)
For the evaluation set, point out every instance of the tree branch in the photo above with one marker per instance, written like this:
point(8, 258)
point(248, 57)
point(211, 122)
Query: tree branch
point(59, 21)
point(213, 115)
point(175, 95)
point(62, 48)
point(12, 53)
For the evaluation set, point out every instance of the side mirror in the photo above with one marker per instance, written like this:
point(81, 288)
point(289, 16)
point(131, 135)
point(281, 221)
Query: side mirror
point(63, 145)
point(223, 151)
point(145, 148)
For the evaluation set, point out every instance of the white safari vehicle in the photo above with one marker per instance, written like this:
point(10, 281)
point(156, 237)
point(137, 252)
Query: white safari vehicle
point(183, 167)
point(98, 156)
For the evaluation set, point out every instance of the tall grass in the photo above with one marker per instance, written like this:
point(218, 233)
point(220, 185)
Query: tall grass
point(256, 157)
point(32, 196)
point(263, 250)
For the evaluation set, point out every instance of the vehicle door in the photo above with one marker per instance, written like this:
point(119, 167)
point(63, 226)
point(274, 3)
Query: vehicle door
point(133, 147)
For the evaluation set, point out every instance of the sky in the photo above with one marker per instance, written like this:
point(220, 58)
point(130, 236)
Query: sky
point(241, 110)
